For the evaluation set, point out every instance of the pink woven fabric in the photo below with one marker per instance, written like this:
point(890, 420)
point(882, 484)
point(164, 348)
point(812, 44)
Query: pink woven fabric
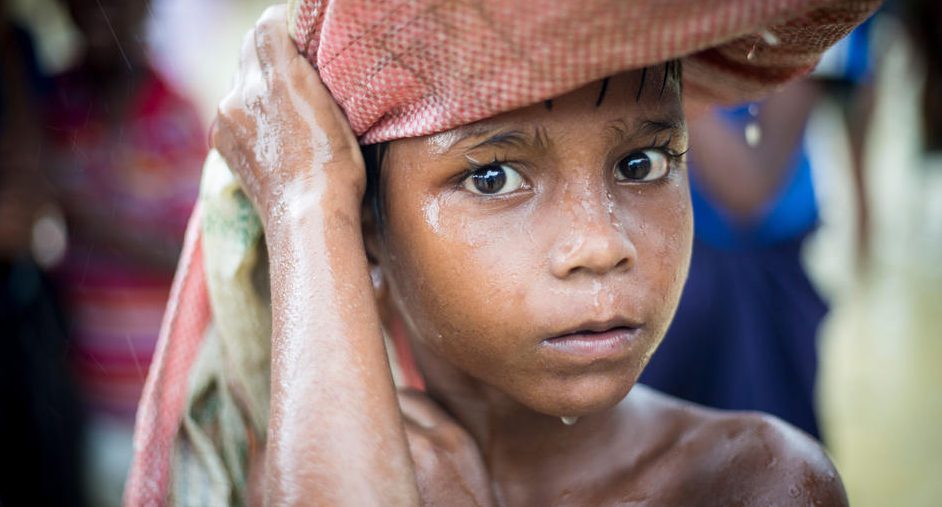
point(414, 67)
point(164, 397)
point(408, 68)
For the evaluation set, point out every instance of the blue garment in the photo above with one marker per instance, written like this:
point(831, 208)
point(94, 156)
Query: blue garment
point(743, 337)
point(744, 334)
point(792, 212)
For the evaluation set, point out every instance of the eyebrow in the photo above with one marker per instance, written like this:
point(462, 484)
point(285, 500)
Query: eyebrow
point(539, 137)
point(622, 130)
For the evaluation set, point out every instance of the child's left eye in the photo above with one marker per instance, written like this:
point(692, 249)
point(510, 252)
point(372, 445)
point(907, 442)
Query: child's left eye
point(493, 179)
point(644, 165)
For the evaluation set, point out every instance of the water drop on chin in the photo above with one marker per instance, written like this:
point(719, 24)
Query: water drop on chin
point(569, 420)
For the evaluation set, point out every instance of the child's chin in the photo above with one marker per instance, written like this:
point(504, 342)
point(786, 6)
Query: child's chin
point(583, 396)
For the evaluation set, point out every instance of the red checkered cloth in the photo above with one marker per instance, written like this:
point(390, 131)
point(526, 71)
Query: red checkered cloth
point(415, 67)
point(164, 398)
point(410, 68)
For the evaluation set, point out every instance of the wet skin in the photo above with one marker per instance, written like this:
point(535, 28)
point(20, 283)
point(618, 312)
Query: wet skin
point(483, 281)
point(535, 258)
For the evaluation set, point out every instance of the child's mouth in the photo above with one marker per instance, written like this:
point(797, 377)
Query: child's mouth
point(596, 342)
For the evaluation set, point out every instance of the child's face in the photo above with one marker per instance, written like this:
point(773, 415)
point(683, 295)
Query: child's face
point(579, 218)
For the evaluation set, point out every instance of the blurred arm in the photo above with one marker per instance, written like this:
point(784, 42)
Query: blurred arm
point(743, 178)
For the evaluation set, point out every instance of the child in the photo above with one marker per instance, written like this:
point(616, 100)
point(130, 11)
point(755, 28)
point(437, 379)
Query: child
point(533, 260)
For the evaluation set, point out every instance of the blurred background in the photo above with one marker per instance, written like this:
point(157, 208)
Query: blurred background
point(815, 290)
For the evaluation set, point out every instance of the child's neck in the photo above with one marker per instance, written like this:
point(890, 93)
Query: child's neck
point(513, 439)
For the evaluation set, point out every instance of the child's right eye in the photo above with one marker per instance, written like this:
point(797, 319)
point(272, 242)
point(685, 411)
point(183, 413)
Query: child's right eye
point(493, 179)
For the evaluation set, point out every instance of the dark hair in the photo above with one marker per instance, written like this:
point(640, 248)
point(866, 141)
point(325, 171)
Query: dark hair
point(374, 154)
point(922, 18)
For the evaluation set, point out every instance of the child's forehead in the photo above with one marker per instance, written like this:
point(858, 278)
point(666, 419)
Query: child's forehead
point(626, 102)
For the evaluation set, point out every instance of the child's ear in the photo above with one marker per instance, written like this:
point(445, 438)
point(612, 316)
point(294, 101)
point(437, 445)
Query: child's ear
point(371, 245)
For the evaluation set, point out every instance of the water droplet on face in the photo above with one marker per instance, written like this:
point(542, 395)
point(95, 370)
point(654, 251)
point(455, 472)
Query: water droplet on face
point(770, 38)
point(753, 134)
point(569, 420)
point(431, 209)
point(751, 55)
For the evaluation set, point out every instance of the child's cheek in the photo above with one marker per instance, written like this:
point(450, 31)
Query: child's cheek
point(671, 249)
point(458, 273)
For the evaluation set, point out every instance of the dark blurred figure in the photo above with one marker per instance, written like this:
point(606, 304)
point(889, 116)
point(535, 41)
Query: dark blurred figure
point(922, 18)
point(128, 155)
point(745, 333)
point(39, 416)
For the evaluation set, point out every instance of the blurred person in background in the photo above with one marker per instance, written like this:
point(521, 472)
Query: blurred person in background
point(39, 414)
point(128, 154)
point(744, 334)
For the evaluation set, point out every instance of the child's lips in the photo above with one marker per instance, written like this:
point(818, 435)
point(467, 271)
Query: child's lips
point(595, 342)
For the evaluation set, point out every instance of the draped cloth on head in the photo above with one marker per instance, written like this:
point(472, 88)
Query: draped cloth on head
point(402, 69)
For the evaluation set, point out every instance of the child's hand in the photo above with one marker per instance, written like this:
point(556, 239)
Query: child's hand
point(448, 465)
point(280, 130)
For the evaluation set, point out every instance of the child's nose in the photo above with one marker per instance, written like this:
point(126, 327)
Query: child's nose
point(596, 245)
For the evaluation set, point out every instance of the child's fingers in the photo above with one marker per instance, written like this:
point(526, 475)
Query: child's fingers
point(436, 423)
point(254, 84)
point(231, 133)
point(247, 55)
point(448, 465)
point(418, 408)
point(285, 70)
point(272, 41)
point(423, 450)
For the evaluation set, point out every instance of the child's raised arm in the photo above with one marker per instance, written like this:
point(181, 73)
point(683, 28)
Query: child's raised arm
point(335, 435)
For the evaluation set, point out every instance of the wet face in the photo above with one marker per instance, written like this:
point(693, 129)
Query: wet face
point(542, 252)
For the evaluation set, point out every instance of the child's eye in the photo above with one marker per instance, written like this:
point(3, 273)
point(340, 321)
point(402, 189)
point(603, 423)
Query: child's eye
point(645, 165)
point(493, 179)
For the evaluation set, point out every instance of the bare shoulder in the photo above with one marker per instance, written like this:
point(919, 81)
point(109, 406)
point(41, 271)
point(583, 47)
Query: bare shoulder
point(776, 460)
point(749, 458)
